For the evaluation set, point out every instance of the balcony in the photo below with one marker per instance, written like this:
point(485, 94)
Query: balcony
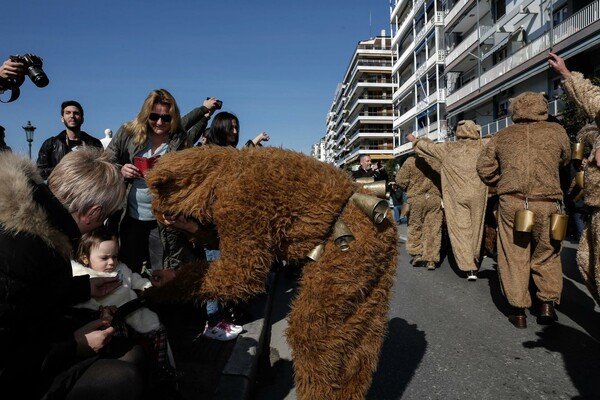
point(410, 82)
point(406, 23)
point(458, 8)
point(466, 44)
point(572, 25)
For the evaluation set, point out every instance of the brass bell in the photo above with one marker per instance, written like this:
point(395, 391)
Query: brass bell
point(579, 179)
point(342, 235)
point(524, 219)
point(558, 226)
point(577, 151)
point(374, 207)
point(316, 253)
point(365, 179)
point(378, 188)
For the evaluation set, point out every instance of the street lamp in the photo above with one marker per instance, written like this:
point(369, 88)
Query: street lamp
point(29, 135)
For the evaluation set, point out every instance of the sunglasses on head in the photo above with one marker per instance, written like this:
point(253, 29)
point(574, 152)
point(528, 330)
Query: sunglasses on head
point(156, 117)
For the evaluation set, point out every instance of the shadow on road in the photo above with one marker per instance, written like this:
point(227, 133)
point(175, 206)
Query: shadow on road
point(580, 355)
point(401, 354)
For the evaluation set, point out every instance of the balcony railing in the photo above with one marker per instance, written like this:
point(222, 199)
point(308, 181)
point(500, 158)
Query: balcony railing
point(466, 43)
point(570, 26)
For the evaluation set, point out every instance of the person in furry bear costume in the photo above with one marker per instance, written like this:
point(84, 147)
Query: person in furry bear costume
point(464, 195)
point(268, 204)
point(523, 161)
point(421, 182)
point(588, 253)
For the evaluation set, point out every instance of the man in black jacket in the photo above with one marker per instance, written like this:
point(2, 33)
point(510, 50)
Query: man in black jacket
point(55, 148)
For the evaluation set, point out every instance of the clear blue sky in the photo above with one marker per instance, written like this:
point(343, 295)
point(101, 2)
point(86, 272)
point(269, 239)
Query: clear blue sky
point(275, 64)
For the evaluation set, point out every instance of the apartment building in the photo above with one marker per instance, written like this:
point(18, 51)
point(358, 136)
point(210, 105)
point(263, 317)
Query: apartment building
point(360, 118)
point(418, 73)
point(464, 59)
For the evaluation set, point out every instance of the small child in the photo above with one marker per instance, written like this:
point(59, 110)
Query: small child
point(97, 257)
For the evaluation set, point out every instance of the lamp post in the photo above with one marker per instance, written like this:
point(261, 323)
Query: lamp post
point(29, 135)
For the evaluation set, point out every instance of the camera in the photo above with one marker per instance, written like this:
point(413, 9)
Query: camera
point(218, 103)
point(33, 64)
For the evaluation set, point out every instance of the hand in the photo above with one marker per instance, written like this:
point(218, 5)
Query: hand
point(410, 137)
point(559, 66)
point(11, 70)
point(92, 337)
point(100, 287)
point(211, 104)
point(161, 277)
point(180, 222)
point(130, 171)
point(262, 137)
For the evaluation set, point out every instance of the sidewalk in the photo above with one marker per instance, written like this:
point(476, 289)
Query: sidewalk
point(214, 369)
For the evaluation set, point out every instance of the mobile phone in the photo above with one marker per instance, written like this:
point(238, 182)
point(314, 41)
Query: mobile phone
point(218, 103)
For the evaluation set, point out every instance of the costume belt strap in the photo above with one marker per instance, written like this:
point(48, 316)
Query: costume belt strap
point(526, 198)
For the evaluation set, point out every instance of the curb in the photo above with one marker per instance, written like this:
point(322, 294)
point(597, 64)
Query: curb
point(238, 379)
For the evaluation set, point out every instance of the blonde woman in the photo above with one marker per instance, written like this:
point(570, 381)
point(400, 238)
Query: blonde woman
point(157, 130)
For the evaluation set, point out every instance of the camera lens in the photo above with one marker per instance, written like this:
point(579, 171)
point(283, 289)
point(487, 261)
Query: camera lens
point(38, 76)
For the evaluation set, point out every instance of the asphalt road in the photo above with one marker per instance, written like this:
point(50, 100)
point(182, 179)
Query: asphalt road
point(450, 339)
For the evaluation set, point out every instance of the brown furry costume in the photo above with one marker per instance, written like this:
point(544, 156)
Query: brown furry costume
point(268, 204)
point(588, 253)
point(464, 195)
point(587, 96)
point(421, 183)
point(523, 160)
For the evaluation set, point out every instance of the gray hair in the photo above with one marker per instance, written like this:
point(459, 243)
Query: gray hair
point(86, 178)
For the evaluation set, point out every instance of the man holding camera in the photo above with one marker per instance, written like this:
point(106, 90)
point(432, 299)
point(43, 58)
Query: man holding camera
point(55, 148)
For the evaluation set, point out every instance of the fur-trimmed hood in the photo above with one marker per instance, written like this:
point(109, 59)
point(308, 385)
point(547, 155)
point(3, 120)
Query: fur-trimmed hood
point(19, 212)
point(468, 129)
point(529, 106)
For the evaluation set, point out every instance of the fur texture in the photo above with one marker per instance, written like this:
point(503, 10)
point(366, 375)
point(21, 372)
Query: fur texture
point(269, 204)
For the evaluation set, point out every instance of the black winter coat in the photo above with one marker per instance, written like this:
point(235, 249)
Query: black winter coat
point(36, 283)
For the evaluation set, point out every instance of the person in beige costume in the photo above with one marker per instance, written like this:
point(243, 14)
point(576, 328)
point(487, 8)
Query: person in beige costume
point(588, 253)
point(523, 161)
point(421, 183)
point(587, 96)
point(464, 194)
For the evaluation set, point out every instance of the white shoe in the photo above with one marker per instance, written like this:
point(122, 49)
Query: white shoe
point(471, 276)
point(219, 332)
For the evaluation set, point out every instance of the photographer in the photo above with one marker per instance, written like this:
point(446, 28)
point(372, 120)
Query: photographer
point(10, 70)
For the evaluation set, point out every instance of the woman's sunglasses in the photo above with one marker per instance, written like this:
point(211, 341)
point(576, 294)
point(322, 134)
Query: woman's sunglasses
point(156, 117)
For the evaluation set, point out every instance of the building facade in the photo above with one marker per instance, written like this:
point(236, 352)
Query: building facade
point(464, 59)
point(360, 118)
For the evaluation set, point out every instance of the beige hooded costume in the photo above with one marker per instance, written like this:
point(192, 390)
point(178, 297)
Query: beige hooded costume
point(587, 96)
point(523, 161)
point(465, 196)
point(588, 253)
point(421, 183)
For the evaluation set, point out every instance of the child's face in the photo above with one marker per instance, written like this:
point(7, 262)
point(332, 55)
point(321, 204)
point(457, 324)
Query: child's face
point(103, 258)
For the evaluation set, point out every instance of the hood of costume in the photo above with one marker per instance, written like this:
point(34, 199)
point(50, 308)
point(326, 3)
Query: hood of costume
point(524, 158)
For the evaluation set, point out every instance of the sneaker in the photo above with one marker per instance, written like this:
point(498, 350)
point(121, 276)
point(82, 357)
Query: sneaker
point(221, 332)
point(231, 326)
point(471, 276)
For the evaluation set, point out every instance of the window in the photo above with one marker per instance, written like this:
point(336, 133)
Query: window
point(559, 15)
point(498, 9)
